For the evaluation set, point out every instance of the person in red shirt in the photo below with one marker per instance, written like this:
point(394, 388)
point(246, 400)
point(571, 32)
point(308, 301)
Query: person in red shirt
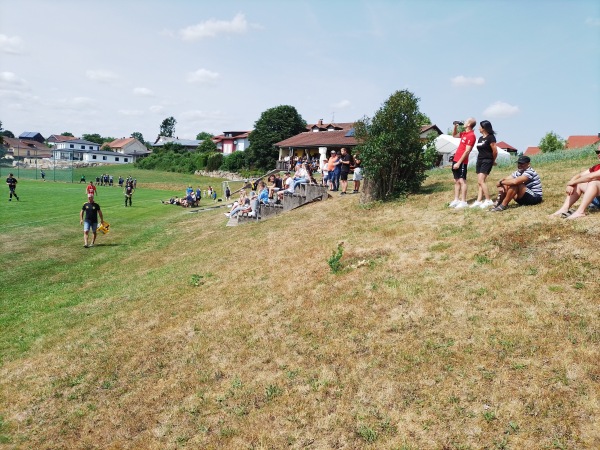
point(460, 162)
point(586, 184)
point(90, 189)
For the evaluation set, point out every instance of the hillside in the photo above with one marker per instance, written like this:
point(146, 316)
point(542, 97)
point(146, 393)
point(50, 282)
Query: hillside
point(444, 329)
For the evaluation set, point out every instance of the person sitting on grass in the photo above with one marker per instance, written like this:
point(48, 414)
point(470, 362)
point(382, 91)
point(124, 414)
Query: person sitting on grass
point(586, 184)
point(524, 186)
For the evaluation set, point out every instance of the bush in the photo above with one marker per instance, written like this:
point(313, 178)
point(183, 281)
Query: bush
point(234, 162)
point(214, 161)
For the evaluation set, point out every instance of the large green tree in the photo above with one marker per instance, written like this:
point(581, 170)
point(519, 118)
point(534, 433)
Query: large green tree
point(391, 149)
point(551, 142)
point(204, 135)
point(167, 127)
point(67, 133)
point(207, 146)
point(93, 137)
point(139, 136)
point(274, 125)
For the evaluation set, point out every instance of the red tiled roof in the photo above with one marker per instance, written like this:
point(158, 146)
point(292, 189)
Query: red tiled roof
point(120, 143)
point(19, 147)
point(505, 146)
point(531, 151)
point(337, 126)
point(59, 138)
point(582, 141)
point(320, 139)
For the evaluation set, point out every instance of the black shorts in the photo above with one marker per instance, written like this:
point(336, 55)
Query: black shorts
point(461, 172)
point(529, 199)
point(484, 166)
point(344, 176)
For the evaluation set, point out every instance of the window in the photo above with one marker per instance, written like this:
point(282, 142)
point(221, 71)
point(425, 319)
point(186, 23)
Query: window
point(116, 158)
point(83, 147)
point(91, 147)
point(93, 156)
point(104, 158)
point(126, 159)
point(71, 145)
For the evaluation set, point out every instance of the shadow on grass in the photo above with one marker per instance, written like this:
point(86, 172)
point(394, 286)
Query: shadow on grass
point(433, 188)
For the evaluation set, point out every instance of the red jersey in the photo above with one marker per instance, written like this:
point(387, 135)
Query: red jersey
point(91, 190)
point(595, 168)
point(467, 139)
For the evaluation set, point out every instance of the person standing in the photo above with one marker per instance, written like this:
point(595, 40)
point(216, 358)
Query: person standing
point(43, 175)
point(460, 162)
point(357, 174)
point(128, 192)
point(345, 161)
point(12, 186)
point(90, 189)
point(91, 210)
point(486, 158)
point(333, 167)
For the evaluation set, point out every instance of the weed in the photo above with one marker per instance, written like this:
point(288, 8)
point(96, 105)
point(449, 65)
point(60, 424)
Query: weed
point(489, 416)
point(334, 260)
point(367, 433)
point(196, 280)
point(482, 259)
point(272, 391)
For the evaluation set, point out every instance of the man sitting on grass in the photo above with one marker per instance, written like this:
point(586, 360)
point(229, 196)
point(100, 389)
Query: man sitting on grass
point(586, 184)
point(524, 186)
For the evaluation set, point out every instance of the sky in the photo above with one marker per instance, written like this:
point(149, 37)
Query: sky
point(116, 67)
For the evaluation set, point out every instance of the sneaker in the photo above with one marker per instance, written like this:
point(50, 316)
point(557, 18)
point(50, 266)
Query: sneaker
point(453, 203)
point(85, 245)
point(476, 204)
point(342, 193)
point(226, 214)
point(461, 205)
point(91, 245)
point(498, 208)
point(487, 204)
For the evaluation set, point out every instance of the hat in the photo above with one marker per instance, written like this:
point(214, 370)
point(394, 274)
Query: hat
point(523, 159)
point(332, 152)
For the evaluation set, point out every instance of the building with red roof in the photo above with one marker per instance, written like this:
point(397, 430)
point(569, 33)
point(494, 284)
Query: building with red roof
point(582, 141)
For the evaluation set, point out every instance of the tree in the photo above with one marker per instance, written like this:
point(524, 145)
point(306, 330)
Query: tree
point(137, 135)
point(551, 142)
point(274, 125)
point(8, 133)
point(167, 127)
point(67, 133)
point(391, 149)
point(93, 137)
point(207, 146)
point(204, 135)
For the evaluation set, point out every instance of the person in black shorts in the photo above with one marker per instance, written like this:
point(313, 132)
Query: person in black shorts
point(12, 185)
point(128, 192)
point(345, 162)
point(486, 158)
point(91, 210)
point(523, 186)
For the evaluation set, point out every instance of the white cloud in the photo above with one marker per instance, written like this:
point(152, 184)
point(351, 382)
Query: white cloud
point(592, 21)
point(500, 110)
point(462, 81)
point(202, 76)
point(131, 112)
point(156, 109)
point(101, 76)
point(76, 103)
point(212, 28)
point(341, 104)
point(12, 45)
point(11, 79)
point(143, 92)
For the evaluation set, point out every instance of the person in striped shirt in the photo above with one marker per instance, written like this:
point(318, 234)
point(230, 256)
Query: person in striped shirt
point(523, 186)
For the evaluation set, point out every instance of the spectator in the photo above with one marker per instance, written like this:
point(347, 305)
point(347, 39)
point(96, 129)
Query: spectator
point(486, 158)
point(357, 174)
point(334, 170)
point(524, 186)
point(460, 160)
point(345, 161)
point(586, 184)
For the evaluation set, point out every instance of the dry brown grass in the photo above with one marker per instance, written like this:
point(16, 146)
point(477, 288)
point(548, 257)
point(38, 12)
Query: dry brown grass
point(445, 330)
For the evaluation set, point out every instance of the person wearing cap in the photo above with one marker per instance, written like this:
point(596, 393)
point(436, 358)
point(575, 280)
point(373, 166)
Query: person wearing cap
point(586, 184)
point(92, 211)
point(12, 186)
point(460, 160)
point(523, 186)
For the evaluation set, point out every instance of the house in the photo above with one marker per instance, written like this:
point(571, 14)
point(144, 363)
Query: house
point(54, 138)
point(87, 152)
point(532, 151)
point(232, 141)
point(189, 144)
point(320, 138)
point(32, 136)
point(582, 141)
point(128, 146)
point(509, 148)
point(18, 148)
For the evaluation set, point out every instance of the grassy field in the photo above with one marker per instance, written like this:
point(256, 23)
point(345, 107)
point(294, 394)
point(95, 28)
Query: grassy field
point(441, 329)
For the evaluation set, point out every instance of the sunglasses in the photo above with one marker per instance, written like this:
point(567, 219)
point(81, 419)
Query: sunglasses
point(597, 152)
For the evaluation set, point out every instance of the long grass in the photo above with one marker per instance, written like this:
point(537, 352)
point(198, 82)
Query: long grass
point(439, 329)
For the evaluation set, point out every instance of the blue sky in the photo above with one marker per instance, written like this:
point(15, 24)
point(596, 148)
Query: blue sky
point(115, 67)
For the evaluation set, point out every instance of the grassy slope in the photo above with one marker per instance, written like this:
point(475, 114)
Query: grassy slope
point(446, 329)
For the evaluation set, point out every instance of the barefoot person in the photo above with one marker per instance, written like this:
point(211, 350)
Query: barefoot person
point(91, 211)
point(523, 186)
point(585, 185)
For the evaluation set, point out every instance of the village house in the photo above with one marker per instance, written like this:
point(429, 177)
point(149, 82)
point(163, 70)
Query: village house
point(88, 152)
point(54, 138)
point(190, 145)
point(128, 146)
point(20, 149)
point(232, 141)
